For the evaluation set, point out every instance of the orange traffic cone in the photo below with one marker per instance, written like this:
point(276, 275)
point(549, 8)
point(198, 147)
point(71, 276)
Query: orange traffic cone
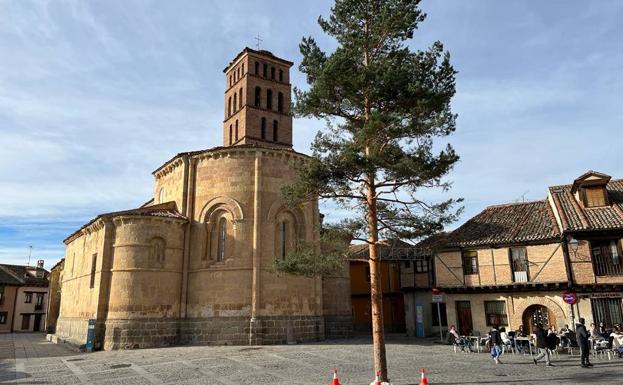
point(377, 380)
point(335, 381)
point(423, 380)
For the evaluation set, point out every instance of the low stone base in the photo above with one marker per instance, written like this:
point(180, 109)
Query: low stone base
point(159, 332)
point(336, 327)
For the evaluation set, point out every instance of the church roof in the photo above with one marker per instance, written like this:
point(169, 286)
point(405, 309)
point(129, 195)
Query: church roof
point(261, 52)
point(226, 148)
point(165, 210)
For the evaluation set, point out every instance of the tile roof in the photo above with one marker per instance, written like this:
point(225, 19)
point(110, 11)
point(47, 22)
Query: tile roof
point(23, 275)
point(165, 210)
point(506, 224)
point(575, 217)
point(389, 250)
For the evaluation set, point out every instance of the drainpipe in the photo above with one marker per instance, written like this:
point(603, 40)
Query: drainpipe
point(256, 255)
point(567, 259)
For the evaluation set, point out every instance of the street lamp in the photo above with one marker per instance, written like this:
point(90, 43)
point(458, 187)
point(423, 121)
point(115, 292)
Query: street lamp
point(573, 245)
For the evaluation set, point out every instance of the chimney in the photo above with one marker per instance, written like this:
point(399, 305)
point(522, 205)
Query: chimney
point(40, 264)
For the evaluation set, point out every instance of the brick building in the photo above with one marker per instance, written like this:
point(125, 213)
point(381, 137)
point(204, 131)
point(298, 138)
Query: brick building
point(510, 264)
point(194, 264)
point(23, 298)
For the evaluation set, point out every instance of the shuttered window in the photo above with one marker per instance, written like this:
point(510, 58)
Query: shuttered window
point(470, 262)
point(594, 196)
point(495, 313)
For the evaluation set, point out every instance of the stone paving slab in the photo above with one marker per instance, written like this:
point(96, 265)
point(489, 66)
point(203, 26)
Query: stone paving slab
point(29, 359)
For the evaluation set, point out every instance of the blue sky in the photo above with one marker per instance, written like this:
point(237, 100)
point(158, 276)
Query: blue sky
point(96, 95)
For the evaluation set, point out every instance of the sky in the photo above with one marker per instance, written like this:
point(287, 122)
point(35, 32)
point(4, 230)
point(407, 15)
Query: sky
point(95, 95)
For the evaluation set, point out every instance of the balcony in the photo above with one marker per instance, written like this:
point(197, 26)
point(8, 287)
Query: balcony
point(38, 307)
point(520, 276)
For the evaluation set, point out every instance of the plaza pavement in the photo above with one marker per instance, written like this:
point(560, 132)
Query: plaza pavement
point(29, 359)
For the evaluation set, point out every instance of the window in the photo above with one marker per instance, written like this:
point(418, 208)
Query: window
point(607, 310)
point(257, 68)
point(269, 99)
point(283, 236)
point(236, 130)
point(265, 70)
point(444, 315)
point(1, 295)
point(222, 238)
point(231, 135)
point(242, 71)
point(230, 80)
point(495, 313)
point(240, 98)
point(280, 75)
point(93, 266)
point(157, 251)
point(263, 129)
point(594, 196)
point(606, 257)
point(25, 321)
point(238, 73)
point(39, 302)
point(272, 73)
point(519, 264)
point(235, 101)
point(3, 317)
point(28, 298)
point(470, 262)
point(275, 127)
point(258, 96)
point(280, 102)
point(421, 266)
point(229, 107)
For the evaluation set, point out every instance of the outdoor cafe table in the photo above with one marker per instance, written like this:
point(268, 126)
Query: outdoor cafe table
point(477, 339)
point(524, 339)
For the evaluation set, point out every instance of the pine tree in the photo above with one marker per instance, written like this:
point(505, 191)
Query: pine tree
point(384, 105)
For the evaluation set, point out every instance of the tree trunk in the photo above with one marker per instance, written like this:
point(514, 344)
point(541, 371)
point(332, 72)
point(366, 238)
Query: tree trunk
point(376, 289)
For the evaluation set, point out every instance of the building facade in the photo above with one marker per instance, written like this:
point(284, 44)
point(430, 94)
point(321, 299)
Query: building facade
point(511, 264)
point(23, 298)
point(194, 264)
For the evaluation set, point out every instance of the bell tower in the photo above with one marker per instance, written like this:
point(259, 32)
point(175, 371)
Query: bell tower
point(257, 100)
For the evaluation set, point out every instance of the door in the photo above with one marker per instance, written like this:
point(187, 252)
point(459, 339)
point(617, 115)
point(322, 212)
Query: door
point(25, 321)
point(37, 324)
point(537, 314)
point(464, 317)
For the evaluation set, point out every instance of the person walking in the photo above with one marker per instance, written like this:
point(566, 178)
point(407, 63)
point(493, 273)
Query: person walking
point(582, 337)
point(541, 344)
point(496, 344)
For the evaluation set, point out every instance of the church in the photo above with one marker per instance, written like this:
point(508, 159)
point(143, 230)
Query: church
point(193, 265)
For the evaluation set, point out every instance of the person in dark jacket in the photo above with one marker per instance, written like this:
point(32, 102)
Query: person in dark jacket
point(582, 337)
point(541, 344)
point(496, 344)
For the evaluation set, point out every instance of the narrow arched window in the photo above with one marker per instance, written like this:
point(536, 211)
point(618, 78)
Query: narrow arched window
point(263, 130)
point(280, 75)
point(269, 99)
point(283, 238)
point(231, 80)
point(231, 135)
point(258, 96)
point(240, 98)
point(242, 72)
point(229, 107)
point(257, 68)
point(161, 195)
point(238, 73)
point(236, 130)
point(265, 70)
point(156, 251)
point(222, 238)
point(275, 128)
point(280, 102)
point(272, 73)
point(235, 101)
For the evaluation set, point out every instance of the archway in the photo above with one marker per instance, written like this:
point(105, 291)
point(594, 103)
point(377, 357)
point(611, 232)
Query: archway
point(537, 314)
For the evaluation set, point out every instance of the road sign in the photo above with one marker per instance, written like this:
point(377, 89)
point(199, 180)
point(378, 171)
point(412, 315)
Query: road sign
point(437, 298)
point(569, 297)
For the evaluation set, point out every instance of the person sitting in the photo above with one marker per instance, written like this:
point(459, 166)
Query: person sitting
point(603, 332)
point(617, 340)
point(521, 344)
point(564, 336)
point(594, 332)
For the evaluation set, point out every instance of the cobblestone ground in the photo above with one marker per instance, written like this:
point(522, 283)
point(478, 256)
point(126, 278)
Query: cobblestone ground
point(29, 359)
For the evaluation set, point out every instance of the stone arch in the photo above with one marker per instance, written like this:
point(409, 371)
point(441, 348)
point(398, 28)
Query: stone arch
point(295, 218)
point(522, 305)
point(222, 203)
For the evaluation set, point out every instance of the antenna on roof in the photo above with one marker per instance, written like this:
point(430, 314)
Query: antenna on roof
point(258, 40)
point(522, 197)
point(29, 254)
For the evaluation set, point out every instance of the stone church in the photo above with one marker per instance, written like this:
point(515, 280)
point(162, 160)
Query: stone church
point(194, 264)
